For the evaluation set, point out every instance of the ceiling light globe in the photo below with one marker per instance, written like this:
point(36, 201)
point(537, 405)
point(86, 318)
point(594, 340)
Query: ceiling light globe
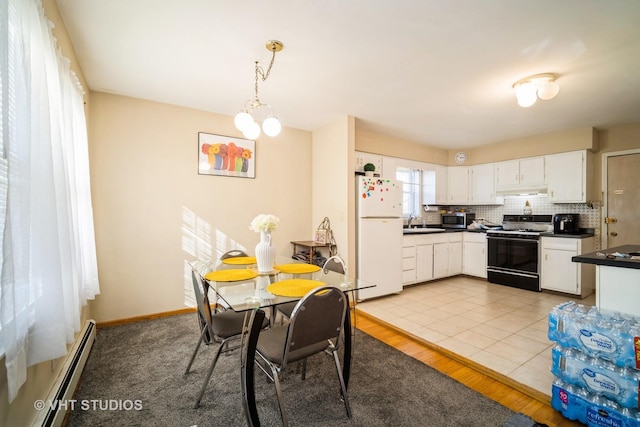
point(271, 126)
point(526, 94)
point(252, 131)
point(242, 120)
point(548, 90)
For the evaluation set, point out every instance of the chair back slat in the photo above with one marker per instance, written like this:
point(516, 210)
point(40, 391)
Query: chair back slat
point(233, 253)
point(318, 317)
point(335, 263)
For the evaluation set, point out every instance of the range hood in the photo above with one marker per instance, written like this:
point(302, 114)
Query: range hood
point(522, 191)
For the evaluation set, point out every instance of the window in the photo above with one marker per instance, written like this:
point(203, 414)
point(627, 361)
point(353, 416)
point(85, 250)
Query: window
point(410, 179)
point(41, 114)
point(418, 188)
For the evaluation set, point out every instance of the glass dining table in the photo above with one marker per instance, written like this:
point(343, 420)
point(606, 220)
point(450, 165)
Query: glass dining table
point(238, 285)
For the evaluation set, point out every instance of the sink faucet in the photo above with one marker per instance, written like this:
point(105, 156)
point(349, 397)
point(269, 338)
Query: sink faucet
point(411, 218)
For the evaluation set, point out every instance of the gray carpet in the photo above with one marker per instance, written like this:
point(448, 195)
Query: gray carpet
point(145, 361)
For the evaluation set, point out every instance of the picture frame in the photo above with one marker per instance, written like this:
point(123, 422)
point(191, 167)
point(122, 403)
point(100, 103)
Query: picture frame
point(221, 155)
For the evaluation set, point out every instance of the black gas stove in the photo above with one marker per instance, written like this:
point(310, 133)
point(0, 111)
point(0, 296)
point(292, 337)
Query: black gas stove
point(513, 253)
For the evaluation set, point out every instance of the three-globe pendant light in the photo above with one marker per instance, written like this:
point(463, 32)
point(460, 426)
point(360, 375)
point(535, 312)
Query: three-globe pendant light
point(244, 121)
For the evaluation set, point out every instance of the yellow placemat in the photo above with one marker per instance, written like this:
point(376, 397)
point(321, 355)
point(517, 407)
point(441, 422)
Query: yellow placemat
point(232, 275)
point(294, 287)
point(240, 260)
point(297, 268)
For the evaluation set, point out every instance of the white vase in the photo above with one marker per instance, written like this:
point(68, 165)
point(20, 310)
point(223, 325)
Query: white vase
point(265, 253)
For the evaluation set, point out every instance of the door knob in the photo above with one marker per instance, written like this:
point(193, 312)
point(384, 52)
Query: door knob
point(614, 233)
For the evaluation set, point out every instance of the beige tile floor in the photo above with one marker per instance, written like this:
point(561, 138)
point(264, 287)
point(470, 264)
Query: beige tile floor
point(502, 328)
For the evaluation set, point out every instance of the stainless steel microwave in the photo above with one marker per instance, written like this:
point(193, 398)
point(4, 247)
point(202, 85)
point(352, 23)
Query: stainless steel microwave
point(457, 219)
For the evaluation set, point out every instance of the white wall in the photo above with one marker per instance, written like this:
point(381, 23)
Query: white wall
point(332, 177)
point(154, 212)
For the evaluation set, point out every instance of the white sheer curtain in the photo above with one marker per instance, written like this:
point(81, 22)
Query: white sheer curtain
point(49, 267)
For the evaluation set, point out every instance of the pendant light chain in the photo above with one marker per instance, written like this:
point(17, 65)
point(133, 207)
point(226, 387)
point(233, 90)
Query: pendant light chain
point(260, 71)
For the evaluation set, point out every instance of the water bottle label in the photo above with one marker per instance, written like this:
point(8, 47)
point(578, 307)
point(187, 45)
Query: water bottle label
point(597, 342)
point(600, 417)
point(599, 383)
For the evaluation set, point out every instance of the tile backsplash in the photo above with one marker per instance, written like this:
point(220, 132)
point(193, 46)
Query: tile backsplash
point(540, 204)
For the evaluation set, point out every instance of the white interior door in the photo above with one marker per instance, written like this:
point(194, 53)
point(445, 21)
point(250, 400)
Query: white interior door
point(622, 199)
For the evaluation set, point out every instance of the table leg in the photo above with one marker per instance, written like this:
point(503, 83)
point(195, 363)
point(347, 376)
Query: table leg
point(247, 368)
point(346, 364)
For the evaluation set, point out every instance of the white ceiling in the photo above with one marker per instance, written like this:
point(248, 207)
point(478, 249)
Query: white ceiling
point(438, 72)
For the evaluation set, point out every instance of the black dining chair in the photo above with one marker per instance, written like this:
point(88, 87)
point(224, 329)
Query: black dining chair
point(315, 326)
point(334, 263)
point(232, 253)
point(221, 326)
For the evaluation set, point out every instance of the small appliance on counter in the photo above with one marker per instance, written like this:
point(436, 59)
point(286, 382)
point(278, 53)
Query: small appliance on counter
point(566, 224)
point(457, 219)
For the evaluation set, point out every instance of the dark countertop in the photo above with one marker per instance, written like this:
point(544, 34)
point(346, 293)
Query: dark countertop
point(569, 236)
point(594, 258)
point(583, 233)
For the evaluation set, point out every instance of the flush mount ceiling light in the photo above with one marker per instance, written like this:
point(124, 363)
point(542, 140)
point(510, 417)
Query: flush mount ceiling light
point(529, 89)
point(244, 120)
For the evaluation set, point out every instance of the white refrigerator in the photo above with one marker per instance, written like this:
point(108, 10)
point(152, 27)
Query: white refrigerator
point(379, 235)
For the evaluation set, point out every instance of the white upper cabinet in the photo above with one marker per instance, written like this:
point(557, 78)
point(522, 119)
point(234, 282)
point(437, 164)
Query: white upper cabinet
point(532, 171)
point(567, 175)
point(473, 185)
point(522, 174)
point(364, 158)
point(458, 185)
point(482, 185)
point(442, 189)
point(389, 166)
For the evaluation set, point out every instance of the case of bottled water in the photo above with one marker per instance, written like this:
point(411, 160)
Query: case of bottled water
point(611, 336)
point(577, 403)
point(597, 376)
point(596, 364)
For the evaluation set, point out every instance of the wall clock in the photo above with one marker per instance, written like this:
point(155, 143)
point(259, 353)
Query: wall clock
point(460, 157)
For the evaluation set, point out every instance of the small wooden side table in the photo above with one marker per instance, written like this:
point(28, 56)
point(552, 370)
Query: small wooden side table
point(311, 245)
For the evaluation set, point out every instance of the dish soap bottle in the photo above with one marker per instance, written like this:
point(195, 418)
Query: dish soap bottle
point(527, 208)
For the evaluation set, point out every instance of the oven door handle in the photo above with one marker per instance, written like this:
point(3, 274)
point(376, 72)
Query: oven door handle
point(512, 239)
point(514, 273)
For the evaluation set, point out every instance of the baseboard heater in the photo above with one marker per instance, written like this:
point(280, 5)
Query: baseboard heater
point(65, 385)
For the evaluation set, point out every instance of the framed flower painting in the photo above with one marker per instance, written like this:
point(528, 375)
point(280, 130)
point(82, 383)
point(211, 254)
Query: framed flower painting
point(226, 156)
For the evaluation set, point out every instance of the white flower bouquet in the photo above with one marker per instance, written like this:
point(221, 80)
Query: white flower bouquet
point(264, 222)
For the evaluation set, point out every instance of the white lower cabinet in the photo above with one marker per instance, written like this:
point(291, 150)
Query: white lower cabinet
point(455, 253)
point(440, 260)
point(424, 262)
point(431, 256)
point(559, 273)
point(474, 254)
point(408, 260)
